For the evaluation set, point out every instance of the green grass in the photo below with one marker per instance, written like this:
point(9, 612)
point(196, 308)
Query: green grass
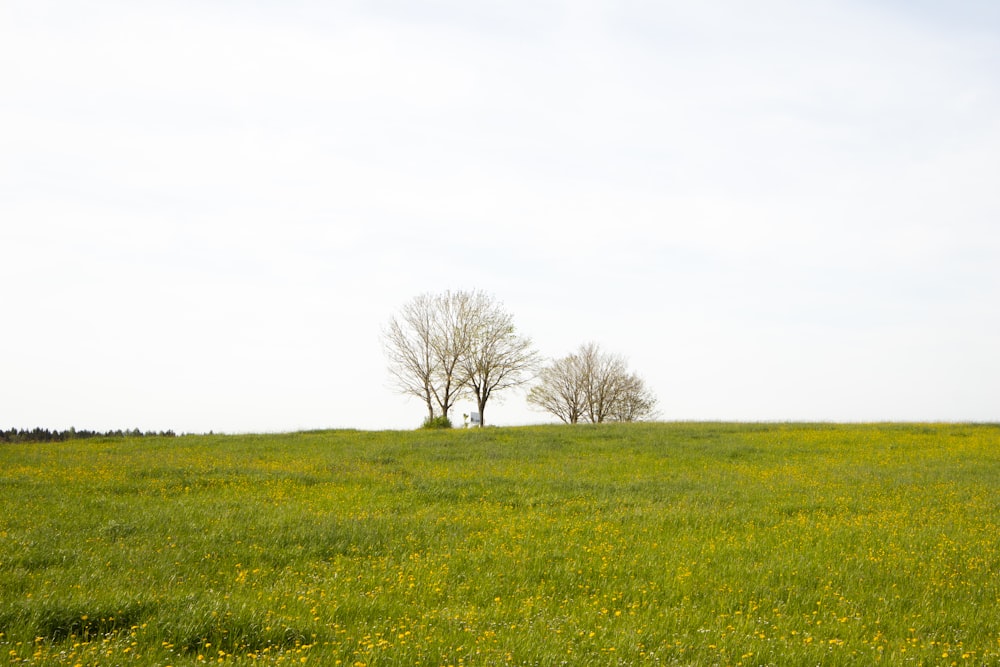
point(691, 544)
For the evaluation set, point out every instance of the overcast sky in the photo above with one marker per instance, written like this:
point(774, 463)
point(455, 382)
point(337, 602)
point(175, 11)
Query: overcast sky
point(776, 210)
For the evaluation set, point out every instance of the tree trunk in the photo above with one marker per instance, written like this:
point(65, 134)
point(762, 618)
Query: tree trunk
point(481, 403)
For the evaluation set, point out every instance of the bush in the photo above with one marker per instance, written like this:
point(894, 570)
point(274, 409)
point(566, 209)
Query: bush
point(436, 422)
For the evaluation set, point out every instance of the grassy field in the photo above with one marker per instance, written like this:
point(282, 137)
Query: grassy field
point(691, 544)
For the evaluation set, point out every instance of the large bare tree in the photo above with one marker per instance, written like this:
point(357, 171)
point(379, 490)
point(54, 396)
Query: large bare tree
point(425, 345)
point(408, 341)
point(451, 341)
point(498, 358)
point(592, 385)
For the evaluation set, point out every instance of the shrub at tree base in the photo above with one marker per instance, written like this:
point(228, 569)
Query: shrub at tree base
point(436, 422)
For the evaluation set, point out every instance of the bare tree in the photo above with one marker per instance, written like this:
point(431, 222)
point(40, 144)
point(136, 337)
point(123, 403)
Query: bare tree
point(561, 389)
point(591, 385)
point(602, 378)
point(408, 342)
point(425, 345)
point(498, 357)
point(451, 341)
point(635, 401)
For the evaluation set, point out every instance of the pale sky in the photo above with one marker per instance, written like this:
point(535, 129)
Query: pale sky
point(776, 210)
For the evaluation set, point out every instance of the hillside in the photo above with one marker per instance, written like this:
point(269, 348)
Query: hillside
point(695, 544)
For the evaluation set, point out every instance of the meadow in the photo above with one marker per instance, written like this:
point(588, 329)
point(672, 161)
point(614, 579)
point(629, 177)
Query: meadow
point(640, 544)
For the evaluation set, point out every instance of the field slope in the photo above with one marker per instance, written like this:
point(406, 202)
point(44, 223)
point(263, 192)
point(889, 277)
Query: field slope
point(692, 544)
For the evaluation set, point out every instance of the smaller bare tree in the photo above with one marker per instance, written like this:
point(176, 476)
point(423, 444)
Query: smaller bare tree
point(603, 375)
point(591, 385)
point(561, 389)
point(635, 401)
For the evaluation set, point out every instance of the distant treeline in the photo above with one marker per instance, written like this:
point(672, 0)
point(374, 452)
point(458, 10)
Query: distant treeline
point(45, 435)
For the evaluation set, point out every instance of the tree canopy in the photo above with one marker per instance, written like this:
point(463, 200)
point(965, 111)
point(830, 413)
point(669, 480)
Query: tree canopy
point(592, 385)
